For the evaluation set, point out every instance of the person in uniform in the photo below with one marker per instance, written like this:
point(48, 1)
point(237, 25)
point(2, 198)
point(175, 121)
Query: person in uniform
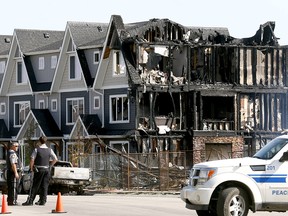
point(13, 173)
point(42, 158)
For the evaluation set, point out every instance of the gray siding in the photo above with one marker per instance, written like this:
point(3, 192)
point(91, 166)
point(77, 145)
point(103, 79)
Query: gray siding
point(90, 60)
point(47, 74)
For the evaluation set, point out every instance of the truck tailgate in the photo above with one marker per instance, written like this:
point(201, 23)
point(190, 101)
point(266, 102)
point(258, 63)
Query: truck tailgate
point(70, 173)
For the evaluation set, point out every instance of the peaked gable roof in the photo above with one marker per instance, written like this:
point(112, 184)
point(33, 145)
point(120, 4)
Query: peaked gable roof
point(84, 35)
point(88, 34)
point(43, 121)
point(5, 44)
point(35, 41)
point(90, 123)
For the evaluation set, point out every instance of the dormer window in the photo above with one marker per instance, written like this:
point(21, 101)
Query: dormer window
point(2, 66)
point(41, 63)
point(21, 75)
point(119, 68)
point(53, 62)
point(96, 57)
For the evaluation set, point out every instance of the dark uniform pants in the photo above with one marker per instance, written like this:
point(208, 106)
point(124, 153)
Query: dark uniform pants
point(12, 185)
point(40, 184)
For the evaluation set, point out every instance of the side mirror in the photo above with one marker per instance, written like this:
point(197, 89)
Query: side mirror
point(284, 157)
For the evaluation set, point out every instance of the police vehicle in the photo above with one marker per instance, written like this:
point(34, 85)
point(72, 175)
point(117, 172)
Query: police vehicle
point(235, 186)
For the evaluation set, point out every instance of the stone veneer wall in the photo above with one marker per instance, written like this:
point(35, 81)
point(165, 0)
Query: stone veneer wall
point(199, 153)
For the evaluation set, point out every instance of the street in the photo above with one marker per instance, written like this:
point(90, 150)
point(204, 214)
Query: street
point(112, 204)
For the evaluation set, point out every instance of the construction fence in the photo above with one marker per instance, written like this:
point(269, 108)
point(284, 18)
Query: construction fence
point(158, 171)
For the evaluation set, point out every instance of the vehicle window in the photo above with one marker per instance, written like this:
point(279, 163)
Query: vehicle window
point(271, 149)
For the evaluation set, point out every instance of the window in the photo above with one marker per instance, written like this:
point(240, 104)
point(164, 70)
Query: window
point(74, 107)
point(21, 110)
point(122, 146)
point(2, 108)
point(54, 105)
point(118, 64)
point(41, 104)
point(21, 76)
point(41, 63)
point(74, 68)
point(2, 66)
point(96, 57)
point(119, 109)
point(97, 102)
point(53, 62)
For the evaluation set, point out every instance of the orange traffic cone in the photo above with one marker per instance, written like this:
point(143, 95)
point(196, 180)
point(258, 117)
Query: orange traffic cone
point(4, 205)
point(59, 206)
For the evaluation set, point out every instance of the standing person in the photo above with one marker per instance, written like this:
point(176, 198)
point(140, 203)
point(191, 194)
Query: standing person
point(42, 158)
point(13, 173)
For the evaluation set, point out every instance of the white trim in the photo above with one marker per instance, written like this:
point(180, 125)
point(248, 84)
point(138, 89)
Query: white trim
point(41, 102)
point(41, 63)
point(20, 102)
point(120, 66)
point(77, 67)
point(54, 101)
point(54, 60)
point(66, 108)
point(99, 102)
point(2, 104)
point(110, 109)
point(2, 67)
point(94, 55)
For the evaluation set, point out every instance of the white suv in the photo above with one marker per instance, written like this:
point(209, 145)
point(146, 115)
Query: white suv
point(233, 186)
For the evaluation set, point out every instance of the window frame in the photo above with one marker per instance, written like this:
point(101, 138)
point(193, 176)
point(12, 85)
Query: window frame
point(78, 99)
point(41, 63)
point(40, 103)
point(117, 63)
point(52, 106)
point(96, 60)
point(20, 77)
point(3, 105)
point(19, 114)
point(99, 103)
point(2, 67)
point(111, 109)
point(54, 60)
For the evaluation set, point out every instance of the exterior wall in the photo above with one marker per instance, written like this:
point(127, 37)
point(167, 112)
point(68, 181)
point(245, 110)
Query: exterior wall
point(89, 54)
point(47, 74)
point(113, 81)
point(199, 153)
point(4, 101)
point(92, 110)
point(15, 88)
point(67, 84)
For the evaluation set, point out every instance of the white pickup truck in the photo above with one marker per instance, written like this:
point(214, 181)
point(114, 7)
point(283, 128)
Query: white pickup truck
point(64, 178)
point(235, 186)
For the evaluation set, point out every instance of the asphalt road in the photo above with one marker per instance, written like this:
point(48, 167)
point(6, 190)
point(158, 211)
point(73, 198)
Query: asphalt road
point(110, 205)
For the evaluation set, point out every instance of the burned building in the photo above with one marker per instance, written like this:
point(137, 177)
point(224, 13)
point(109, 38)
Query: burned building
point(202, 91)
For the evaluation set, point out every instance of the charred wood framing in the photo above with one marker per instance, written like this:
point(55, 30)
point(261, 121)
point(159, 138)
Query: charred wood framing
point(192, 83)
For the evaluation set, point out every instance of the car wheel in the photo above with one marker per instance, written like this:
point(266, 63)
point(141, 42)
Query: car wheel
point(233, 201)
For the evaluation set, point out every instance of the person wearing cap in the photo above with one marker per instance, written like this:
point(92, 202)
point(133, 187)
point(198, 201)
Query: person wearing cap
point(42, 158)
point(13, 173)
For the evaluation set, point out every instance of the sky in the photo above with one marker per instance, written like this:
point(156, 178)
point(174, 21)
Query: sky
point(242, 18)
